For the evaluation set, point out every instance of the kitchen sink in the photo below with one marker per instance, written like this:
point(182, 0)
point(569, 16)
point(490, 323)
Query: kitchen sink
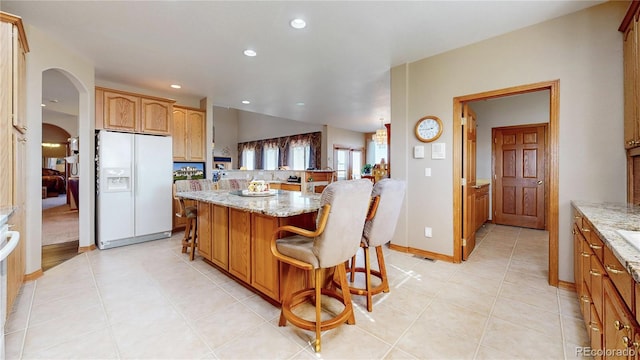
point(632, 237)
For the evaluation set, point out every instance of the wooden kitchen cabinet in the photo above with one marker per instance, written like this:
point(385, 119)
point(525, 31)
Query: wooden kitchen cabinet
point(481, 205)
point(13, 129)
point(220, 236)
point(205, 229)
point(189, 136)
point(240, 244)
point(130, 112)
point(631, 63)
point(619, 325)
point(291, 186)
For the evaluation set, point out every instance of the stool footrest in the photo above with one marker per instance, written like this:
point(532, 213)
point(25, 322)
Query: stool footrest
point(298, 298)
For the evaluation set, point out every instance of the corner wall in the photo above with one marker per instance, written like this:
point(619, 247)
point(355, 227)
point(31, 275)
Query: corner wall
point(583, 50)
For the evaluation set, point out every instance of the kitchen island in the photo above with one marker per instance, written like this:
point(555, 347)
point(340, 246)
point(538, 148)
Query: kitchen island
point(234, 234)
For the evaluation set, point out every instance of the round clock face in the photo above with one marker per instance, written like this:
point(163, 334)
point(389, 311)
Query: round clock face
point(428, 128)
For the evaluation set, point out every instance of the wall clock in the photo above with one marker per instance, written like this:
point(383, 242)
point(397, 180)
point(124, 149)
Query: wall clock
point(428, 128)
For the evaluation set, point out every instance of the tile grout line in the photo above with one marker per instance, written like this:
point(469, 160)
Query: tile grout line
point(104, 310)
point(486, 325)
point(26, 327)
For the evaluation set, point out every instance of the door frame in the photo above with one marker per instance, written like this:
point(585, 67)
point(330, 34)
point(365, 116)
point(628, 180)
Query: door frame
point(553, 167)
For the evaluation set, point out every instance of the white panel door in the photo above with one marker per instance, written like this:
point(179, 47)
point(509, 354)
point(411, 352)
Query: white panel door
point(154, 178)
point(115, 208)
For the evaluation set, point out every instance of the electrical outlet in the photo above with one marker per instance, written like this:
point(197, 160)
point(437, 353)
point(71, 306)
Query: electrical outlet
point(427, 171)
point(427, 232)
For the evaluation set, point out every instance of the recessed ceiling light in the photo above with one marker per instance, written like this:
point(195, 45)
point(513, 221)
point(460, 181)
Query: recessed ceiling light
point(300, 103)
point(246, 102)
point(298, 24)
point(176, 86)
point(43, 105)
point(250, 53)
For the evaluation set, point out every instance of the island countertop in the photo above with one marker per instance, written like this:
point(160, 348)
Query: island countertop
point(606, 219)
point(283, 204)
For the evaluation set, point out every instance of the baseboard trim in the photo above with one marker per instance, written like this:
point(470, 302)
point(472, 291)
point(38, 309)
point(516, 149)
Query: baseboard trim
point(33, 276)
point(423, 253)
point(566, 285)
point(84, 249)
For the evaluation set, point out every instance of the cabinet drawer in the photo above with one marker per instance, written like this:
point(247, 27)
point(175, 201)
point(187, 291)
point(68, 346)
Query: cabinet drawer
point(595, 331)
point(577, 218)
point(595, 243)
point(597, 273)
point(620, 278)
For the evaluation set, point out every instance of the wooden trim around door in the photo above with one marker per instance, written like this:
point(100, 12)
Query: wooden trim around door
point(553, 161)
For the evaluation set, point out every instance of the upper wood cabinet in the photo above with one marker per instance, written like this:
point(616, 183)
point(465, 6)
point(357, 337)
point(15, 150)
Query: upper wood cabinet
point(122, 111)
point(630, 29)
point(13, 160)
point(188, 134)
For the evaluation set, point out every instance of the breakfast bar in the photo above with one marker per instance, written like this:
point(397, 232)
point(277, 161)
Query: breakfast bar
point(235, 231)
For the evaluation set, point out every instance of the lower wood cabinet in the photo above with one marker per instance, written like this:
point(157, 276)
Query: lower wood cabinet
point(481, 205)
point(291, 187)
point(607, 295)
point(220, 236)
point(204, 229)
point(240, 244)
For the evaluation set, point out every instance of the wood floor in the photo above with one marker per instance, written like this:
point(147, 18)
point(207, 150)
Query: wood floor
point(56, 254)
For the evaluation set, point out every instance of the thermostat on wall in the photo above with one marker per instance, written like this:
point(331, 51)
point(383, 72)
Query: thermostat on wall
point(437, 151)
point(418, 151)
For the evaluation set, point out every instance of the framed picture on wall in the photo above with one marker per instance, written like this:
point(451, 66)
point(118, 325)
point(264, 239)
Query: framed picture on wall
point(188, 171)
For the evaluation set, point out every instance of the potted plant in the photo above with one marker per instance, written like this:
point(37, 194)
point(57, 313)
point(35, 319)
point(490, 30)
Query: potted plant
point(366, 169)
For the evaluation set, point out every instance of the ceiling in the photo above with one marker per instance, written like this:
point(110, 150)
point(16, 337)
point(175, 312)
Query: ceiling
point(338, 66)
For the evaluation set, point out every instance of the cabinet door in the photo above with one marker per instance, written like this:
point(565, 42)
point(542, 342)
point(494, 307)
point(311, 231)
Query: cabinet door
point(264, 266)
point(6, 110)
point(220, 237)
point(204, 229)
point(20, 88)
point(577, 260)
point(179, 135)
point(196, 136)
point(595, 331)
point(240, 244)
point(630, 87)
point(618, 325)
point(121, 112)
point(156, 116)
point(597, 277)
point(16, 260)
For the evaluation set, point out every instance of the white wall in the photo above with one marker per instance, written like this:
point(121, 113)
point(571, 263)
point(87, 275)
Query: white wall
point(530, 108)
point(46, 53)
point(583, 50)
point(68, 122)
point(254, 126)
point(342, 137)
point(225, 121)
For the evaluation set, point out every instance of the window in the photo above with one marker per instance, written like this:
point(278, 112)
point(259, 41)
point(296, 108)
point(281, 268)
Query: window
point(299, 155)
point(270, 158)
point(248, 158)
point(347, 162)
point(379, 152)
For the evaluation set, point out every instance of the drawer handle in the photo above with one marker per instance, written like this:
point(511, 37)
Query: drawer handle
point(585, 254)
point(628, 343)
point(620, 326)
point(573, 231)
point(595, 247)
point(585, 298)
point(613, 270)
point(577, 217)
point(594, 273)
point(585, 230)
point(594, 326)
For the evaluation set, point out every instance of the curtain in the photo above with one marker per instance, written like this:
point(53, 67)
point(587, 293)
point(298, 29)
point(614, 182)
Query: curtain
point(313, 140)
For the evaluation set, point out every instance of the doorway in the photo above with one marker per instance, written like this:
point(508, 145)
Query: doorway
point(60, 215)
point(551, 91)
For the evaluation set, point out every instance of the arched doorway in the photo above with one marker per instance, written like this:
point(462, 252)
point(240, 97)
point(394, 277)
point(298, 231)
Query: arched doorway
point(60, 225)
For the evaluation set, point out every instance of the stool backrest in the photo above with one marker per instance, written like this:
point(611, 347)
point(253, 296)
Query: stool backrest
point(194, 185)
point(340, 240)
point(232, 184)
point(380, 229)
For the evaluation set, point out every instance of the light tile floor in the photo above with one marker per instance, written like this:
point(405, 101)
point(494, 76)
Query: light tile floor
point(149, 301)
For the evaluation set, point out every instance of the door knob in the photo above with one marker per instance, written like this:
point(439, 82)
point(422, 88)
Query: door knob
point(539, 182)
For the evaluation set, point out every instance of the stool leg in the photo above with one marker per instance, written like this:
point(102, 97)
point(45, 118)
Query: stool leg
point(318, 286)
point(367, 267)
point(353, 267)
point(383, 269)
point(185, 239)
point(193, 240)
point(346, 294)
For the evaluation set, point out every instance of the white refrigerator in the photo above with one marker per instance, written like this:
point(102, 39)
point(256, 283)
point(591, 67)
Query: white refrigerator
point(133, 188)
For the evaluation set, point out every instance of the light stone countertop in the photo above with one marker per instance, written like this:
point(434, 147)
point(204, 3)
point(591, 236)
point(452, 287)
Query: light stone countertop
point(282, 204)
point(606, 219)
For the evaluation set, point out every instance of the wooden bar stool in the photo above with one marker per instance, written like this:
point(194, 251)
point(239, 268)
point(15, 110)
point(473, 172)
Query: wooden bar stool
point(335, 240)
point(388, 195)
point(190, 213)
